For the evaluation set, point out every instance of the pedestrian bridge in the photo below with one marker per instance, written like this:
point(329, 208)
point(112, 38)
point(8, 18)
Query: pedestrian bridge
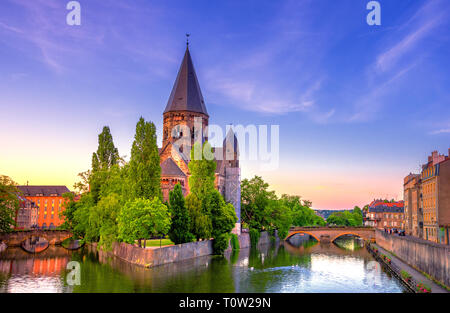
point(330, 234)
point(15, 238)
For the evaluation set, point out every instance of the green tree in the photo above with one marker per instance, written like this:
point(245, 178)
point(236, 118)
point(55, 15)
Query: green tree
point(223, 219)
point(302, 214)
point(142, 219)
point(278, 217)
point(103, 218)
point(180, 228)
point(106, 156)
point(200, 224)
point(255, 197)
point(9, 203)
point(144, 167)
point(202, 168)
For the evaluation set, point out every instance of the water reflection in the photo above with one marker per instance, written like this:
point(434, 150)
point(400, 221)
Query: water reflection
point(72, 244)
point(308, 267)
point(35, 244)
point(24, 272)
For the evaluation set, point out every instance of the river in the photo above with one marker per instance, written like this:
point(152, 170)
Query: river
point(306, 267)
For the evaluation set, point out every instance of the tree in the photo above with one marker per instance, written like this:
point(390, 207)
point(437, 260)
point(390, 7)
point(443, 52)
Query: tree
point(201, 181)
point(200, 224)
point(223, 219)
point(106, 156)
point(302, 214)
point(9, 203)
point(346, 218)
point(142, 219)
point(278, 217)
point(180, 228)
point(103, 218)
point(255, 197)
point(144, 166)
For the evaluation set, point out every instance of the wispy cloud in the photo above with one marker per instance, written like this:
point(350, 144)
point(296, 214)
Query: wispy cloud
point(440, 131)
point(405, 50)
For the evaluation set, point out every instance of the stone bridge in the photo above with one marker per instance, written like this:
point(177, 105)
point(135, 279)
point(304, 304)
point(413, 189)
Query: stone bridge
point(330, 234)
point(15, 238)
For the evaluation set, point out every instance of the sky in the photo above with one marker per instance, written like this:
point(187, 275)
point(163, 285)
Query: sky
point(358, 107)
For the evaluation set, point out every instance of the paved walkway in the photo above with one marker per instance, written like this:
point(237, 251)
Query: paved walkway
point(418, 276)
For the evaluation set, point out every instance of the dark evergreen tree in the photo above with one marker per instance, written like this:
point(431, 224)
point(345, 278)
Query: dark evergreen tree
point(179, 230)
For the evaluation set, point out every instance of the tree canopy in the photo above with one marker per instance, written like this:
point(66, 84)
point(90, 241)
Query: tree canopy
point(180, 229)
point(9, 203)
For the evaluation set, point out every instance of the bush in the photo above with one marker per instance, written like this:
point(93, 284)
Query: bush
point(220, 244)
point(234, 242)
point(423, 288)
point(405, 275)
point(254, 236)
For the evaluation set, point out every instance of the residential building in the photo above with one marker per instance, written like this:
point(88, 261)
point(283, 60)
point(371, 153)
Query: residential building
point(26, 215)
point(413, 207)
point(49, 203)
point(385, 215)
point(435, 198)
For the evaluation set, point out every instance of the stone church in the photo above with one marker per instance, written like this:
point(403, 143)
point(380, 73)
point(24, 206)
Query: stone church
point(186, 114)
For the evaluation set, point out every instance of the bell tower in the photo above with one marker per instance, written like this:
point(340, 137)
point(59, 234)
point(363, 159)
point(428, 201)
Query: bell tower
point(185, 111)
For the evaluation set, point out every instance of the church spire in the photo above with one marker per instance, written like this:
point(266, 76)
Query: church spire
point(186, 94)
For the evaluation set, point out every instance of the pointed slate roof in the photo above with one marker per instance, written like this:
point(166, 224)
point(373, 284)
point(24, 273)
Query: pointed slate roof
point(170, 168)
point(230, 143)
point(186, 94)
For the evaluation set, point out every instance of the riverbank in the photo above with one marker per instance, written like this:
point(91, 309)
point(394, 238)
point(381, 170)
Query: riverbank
point(174, 253)
point(396, 266)
point(422, 255)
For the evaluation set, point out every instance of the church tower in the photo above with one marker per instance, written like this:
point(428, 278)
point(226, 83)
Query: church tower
point(185, 106)
point(185, 120)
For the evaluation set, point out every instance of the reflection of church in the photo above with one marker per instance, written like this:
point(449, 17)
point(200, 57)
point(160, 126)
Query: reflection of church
point(185, 108)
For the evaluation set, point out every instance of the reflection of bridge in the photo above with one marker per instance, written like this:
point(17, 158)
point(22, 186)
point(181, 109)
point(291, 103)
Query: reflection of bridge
point(330, 234)
point(54, 237)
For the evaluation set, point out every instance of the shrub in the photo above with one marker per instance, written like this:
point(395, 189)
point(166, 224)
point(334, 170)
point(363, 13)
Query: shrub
point(423, 288)
point(220, 243)
point(254, 236)
point(405, 275)
point(234, 242)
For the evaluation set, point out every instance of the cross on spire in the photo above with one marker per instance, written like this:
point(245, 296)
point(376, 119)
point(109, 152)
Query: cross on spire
point(187, 39)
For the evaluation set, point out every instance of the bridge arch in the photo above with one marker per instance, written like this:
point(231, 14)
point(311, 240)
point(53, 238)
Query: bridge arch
point(349, 233)
point(302, 232)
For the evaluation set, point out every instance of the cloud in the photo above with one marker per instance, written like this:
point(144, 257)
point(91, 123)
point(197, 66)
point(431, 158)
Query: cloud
point(440, 131)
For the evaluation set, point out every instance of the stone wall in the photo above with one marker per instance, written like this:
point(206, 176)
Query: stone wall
point(427, 256)
point(244, 240)
point(154, 257)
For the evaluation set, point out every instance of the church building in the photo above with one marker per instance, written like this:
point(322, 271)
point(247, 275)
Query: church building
point(185, 121)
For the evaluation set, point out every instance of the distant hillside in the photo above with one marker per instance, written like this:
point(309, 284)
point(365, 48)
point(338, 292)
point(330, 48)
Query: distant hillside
point(326, 213)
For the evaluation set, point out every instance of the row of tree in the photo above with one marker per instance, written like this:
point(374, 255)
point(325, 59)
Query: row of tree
point(261, 209)
point(346, 218)
point(122, 201)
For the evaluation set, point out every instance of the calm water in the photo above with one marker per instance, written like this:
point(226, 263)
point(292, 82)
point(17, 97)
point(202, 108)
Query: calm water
point(309, 267)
